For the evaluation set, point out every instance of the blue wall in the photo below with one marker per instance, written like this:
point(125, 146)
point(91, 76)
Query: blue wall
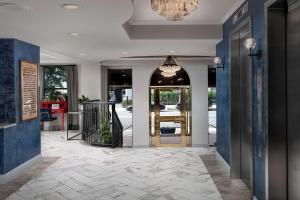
point(7, 82)
point(21, 142)
point(256, 12)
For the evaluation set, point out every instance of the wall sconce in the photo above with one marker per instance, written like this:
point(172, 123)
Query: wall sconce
point(250, 44)
point(218, 62)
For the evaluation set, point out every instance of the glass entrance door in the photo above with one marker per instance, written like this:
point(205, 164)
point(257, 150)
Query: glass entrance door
point(170, 117)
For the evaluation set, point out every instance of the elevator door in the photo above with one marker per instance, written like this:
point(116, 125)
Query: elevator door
point(241, 90)
point(293, 101)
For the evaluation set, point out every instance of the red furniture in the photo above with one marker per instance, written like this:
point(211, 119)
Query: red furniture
point(60, 107)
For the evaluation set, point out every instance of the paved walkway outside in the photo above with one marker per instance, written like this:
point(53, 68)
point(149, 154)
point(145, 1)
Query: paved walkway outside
point(84, 172)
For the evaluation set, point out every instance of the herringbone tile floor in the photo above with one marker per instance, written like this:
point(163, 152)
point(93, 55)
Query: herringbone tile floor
point(91, 173)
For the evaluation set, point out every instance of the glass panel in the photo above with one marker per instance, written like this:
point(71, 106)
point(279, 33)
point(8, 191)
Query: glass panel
point(55, 77)
point(212, 117)
point(55, 83)
point(173, 118)
point(53, 94)
point(170, 102)
point(170, 128)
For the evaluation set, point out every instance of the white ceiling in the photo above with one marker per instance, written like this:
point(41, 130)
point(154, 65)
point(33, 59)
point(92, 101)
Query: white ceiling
point(99, 23)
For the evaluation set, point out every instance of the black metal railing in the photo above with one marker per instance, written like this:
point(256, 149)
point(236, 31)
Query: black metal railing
point(101, 125)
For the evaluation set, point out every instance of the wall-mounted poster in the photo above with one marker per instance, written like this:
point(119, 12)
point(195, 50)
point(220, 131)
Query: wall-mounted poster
point(28, 90)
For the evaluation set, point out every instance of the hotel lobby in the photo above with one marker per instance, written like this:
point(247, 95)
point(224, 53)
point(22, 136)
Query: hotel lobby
point(149, 99)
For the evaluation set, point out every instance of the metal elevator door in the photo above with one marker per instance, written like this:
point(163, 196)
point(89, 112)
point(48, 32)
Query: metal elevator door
point(241, 89)
point(293, 100)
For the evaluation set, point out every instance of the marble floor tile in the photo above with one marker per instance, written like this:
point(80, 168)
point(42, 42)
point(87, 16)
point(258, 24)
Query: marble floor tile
point(85, 172)
point(13, 186)
point(230, 189)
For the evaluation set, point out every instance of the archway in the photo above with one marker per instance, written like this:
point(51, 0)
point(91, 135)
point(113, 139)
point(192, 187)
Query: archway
point(170, 116)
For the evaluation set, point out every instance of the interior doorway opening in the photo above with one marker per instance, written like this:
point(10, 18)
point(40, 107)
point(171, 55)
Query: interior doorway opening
point(120, 92)
point(170, 116)
point(212, 108)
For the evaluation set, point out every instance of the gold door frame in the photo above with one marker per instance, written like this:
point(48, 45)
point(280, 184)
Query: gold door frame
point(182, 119)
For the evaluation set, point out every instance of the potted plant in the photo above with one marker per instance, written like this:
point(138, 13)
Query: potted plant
point(53, 95)
point(105, 133)
point(82, 100)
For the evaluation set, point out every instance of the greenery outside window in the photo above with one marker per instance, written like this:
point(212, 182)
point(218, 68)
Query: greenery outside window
point(55, 82)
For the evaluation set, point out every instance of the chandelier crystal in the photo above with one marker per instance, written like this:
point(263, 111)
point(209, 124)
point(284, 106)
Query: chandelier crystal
point(169, 68)
point(174, 10)
point(168, 74)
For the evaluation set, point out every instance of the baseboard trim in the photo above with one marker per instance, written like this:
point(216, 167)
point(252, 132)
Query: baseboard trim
point(200, 145)
point(13, 174)
point(222, 161)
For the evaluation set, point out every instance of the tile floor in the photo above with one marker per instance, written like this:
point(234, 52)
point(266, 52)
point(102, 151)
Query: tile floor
point(230, 189)
point(83, 172)
point(34, 171)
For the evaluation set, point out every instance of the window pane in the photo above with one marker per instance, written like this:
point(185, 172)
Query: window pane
point(55, 82)
point(54, 94)
point(55, 77)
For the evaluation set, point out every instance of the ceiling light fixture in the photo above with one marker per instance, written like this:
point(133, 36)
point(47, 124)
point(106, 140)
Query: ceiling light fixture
point(174, 10)
point(169, 68)
point(168, 74)
point(71, 6)
point(74, 34)
point(82, 54)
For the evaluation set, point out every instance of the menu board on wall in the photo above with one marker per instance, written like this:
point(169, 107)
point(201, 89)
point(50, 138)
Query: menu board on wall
point(28, 90)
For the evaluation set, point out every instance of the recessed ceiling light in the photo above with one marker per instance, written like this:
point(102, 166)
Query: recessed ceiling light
point(71, 6)
point(74, 34)
point(172, 51)
point(82, 54)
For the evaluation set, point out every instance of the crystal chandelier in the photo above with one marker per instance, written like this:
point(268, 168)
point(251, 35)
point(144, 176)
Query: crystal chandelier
point(168, 74)
point(169, 68)
point(174, 10)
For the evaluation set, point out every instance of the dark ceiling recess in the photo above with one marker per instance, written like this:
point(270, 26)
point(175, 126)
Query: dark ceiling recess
point(180, 79)
point(212, 77)
point(120, 77)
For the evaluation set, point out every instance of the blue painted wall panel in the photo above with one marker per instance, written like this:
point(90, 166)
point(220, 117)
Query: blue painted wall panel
point(7, 83)
point(256, 12)
point(22, 142)
point(1, 151)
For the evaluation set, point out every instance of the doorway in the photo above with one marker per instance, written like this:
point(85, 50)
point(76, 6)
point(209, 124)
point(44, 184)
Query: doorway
point(170, 116)
point(120, 92)
point(241, 105)
point(212, 107)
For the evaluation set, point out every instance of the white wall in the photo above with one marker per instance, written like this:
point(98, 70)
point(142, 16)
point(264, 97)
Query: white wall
point(199, 81)
point(89, 80)
point(141, 74)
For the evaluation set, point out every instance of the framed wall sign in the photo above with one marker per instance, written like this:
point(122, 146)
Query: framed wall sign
point(28, 90)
